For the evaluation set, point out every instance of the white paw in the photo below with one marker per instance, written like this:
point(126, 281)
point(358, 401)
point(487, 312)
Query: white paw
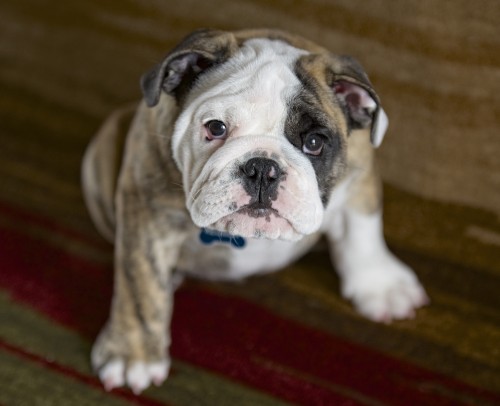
point(138, 375)
point(383, 289)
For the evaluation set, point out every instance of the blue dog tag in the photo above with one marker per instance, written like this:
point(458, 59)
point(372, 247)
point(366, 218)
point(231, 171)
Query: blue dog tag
point(208, 237)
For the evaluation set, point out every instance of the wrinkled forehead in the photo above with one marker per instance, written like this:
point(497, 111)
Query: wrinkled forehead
point(260, 74)
point(265, 81)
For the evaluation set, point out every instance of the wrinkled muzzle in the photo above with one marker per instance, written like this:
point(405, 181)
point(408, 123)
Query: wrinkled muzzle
point(257, 187)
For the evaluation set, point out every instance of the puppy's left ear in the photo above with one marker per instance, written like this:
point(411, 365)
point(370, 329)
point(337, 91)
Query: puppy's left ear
point(355, 92)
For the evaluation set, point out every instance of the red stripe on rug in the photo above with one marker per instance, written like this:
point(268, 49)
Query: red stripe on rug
point(230, 336)
point(256, 334)
point(71, 373)
point(24, 217)
point(71, 290)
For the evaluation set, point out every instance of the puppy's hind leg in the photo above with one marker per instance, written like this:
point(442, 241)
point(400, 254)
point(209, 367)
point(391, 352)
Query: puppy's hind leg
point(100, 169)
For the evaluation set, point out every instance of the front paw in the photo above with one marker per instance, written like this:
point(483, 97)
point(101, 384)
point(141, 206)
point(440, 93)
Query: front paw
point(130, 359)
point(383, 288)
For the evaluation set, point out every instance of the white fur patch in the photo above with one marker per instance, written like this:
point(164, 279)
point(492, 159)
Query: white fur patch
point(381, 287)
point(250, 94)
point(138, 375)
point(381, 125)
point(112, 375)
point(263, 256)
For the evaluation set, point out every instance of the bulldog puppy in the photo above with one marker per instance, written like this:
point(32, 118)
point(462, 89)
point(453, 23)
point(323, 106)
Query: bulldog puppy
point(246, 148)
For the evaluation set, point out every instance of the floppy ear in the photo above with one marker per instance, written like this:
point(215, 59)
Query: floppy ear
point(194, 55)
point(355, 92)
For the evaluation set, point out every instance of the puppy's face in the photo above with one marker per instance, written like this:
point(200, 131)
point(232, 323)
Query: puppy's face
point(261, 138)
point(247, 166)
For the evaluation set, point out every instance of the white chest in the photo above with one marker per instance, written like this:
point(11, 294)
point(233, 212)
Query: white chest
point(262, 256)
point(218, 258)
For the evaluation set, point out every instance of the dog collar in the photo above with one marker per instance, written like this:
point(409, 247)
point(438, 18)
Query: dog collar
point(208, 237)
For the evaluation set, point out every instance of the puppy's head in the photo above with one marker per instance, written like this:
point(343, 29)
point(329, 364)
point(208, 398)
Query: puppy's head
point(261, 136)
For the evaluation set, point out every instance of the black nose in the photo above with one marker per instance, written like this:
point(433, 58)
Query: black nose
point(261, 177)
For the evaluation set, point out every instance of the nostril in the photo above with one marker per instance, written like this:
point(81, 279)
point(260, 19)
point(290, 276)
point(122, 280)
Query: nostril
point(249, 168)
point(274, 172)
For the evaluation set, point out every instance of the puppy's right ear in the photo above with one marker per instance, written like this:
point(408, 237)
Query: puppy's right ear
point(355, 92)
point(194, 55)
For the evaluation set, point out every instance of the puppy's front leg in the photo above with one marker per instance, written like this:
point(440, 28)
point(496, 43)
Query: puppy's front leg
point(381, 287)
point(132, 348)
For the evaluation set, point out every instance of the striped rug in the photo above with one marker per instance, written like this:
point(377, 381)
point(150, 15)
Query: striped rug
point(229, 347)
point(285, 338)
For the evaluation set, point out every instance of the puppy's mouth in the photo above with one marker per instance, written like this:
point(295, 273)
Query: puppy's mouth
point(259, 210)
point(257, 220)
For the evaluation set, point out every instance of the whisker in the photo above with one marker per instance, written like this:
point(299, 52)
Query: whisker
point(178, 185)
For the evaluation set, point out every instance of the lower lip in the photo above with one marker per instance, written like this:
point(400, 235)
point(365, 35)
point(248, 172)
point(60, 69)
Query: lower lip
point(257, 211)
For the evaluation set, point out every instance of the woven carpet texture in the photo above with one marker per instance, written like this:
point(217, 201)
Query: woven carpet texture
point(285, 338)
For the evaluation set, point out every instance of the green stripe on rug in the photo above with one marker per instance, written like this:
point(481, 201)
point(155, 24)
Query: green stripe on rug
point(25, 383)
point(24, 328)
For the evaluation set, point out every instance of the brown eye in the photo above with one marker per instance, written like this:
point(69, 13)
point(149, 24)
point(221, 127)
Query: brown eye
point(216, 130)
point(312, 144)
